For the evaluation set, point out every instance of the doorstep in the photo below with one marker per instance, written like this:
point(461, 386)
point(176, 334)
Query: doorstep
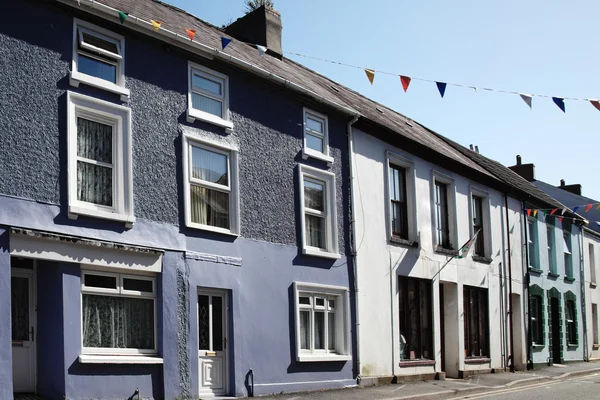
point(26, 396)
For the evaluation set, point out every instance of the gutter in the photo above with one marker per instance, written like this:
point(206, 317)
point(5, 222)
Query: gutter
point(353, 249)
point(586, 356)
point(206, 51)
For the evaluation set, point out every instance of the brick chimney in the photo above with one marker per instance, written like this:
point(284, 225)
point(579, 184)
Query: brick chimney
point(527, 171)
point(575, 188)
point(261, 26)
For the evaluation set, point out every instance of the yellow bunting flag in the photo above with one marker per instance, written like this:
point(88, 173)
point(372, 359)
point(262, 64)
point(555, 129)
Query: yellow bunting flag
point(535, 212)
point(370, 74)
point(598, 208)
point(191, 33)
point(156, 24)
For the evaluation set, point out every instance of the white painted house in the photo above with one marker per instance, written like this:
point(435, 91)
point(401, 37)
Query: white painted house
point(591, 259)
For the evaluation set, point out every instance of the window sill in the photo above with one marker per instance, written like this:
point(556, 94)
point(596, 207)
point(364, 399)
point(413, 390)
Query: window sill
point(553, 275)
point(482, 259)
point(111, 359)
point(212, 229)
point(538, 346)
point(596, 346)
point(415, 363)
point(535, 270)
point(405, 242)
point(572, 345)
point(306, 153)
point(477, 360)
point(445, 251)
point(76, 211)
point(193, 115)
point(323, 357)
point(569, 279)
point(75, 78)
point(593, 284)
point(308, 251)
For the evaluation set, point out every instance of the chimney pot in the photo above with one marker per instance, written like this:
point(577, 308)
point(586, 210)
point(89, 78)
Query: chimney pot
point(471, 146)
point(477, 148)
point(518, 160)
point(562, 182)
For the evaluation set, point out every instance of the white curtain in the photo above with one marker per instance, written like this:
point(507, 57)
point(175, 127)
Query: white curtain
point(94, 182)
point(209, 206)
point(118, 322)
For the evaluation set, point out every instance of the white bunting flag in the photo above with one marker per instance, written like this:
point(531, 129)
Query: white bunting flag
point(526, 98)
point(261, 49)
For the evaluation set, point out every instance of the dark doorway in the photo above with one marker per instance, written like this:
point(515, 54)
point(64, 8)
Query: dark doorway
point(443, 336)
point(556, 342)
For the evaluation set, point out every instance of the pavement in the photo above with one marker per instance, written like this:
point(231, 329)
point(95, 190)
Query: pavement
point(453, 388)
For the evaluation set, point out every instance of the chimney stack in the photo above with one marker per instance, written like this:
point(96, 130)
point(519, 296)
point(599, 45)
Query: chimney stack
point(471, 146)
point(527, 171)
point(574, 188)
point(261, 26)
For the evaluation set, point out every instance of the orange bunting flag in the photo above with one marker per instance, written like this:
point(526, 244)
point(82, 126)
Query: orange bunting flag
point(156, 25)
point(598, 208)
point(596, 104)
point(528, 213)
point(589, 207)
point(370, 74)
point(191, 33)
point(553, 211)
point(535, 213)
point(405, 82)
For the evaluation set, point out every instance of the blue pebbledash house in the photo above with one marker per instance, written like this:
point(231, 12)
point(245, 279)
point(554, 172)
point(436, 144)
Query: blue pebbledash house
point(174, 217)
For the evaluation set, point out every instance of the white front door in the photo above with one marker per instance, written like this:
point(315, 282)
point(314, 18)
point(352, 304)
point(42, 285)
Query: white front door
point(212, 342)
point(23, 330)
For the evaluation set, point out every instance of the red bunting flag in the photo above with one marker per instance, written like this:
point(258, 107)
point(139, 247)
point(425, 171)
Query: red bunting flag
point(596, 103)
point(528, 213)
point(370, 74)
point(589, 206)
point(560, 219)
point(405, 82)
point(553, 211)
point(191, 33)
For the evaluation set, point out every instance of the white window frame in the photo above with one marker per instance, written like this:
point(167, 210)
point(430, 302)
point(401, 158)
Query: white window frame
point(451, 200)
point(592, 256)
point(532, 225)
point(76, 77)
point(308, 152)
point(331, 230)
point(120, 118)
point(118, 292)
point(190, 141)
point(551, 245)
point(393, 159)
point(342, 317)
point(192, 113)
point(568, 253)
point(487, 220)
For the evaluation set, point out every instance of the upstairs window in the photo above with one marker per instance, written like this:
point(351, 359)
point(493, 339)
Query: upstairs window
point(208, 98)
point(316, 137)
point(551, 247)
point(98, 58)
point(399, 208)
point(592, 264)
point(477, 203)
point(568, 255)
point(532, 243)
point(212, 191)
point(441, 215)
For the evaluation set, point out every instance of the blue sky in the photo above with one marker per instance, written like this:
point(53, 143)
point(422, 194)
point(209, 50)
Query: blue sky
point(535, 46)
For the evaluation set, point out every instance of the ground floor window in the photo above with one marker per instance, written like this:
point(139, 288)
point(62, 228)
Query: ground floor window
point(571, 319)
point(475, 308)
point(416, 322)
point(537, 320)
point(118, 313)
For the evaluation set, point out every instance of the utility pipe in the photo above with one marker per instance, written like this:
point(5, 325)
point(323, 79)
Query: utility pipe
point(353, 235)
point(582, 285)
point(526, 286)
point(510, 304)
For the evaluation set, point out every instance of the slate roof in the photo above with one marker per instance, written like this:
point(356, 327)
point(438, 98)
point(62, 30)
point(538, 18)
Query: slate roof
point(176, 20)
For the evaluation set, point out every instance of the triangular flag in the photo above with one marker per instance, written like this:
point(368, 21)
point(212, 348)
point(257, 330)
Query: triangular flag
point(598, 208)
point(405, 82)
point(528, 213)
point(564, 210)
point(526, 98)
point(588, 208)
point(542, 213)
point(156, 24)
point(535, 212)
point(560, 219)
point(598, 223)
point(463, 252)
point(553, 211)
point(441, 87)
point(560, 102)
point(224, 42)
point(575, 209)
point(123, 16)
point(191, 33)
point(596, 104)
point(370, 74)
point(261, 49)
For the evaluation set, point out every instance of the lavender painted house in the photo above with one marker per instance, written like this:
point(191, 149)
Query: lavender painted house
point(173, 219)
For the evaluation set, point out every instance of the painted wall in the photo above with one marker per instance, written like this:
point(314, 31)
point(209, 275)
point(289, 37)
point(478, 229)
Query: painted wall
point(547, 282)
point(592, 292)
point(380, 262)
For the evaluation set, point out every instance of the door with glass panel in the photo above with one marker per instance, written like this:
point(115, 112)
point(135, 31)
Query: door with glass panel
point(23, 330)
point(212, 342)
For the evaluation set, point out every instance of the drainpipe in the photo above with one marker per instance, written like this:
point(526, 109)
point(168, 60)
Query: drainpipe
point(510, 304)
point(586, 356)
point(353, 249)
point(526, 285)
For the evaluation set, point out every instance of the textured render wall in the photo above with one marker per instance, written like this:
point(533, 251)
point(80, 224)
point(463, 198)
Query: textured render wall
point(376, 256)
point(261, 318)
point(6, 382)
point(50, 324)
point(34, 75)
